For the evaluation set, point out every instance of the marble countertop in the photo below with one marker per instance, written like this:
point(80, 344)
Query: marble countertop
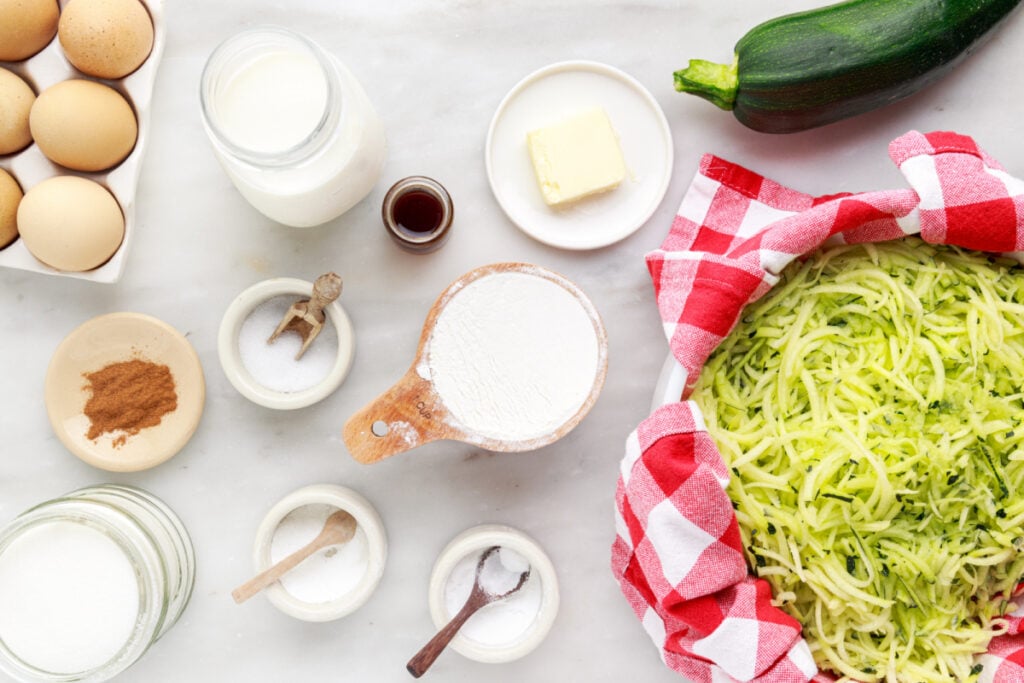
point(436, 72)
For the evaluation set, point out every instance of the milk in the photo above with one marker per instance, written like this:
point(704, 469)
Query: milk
point(69, 597)
point(273, 103)
point(291, 126)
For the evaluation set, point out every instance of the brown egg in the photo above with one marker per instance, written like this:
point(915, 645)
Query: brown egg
point(106, 38)
point(10, 196)
point(84, 125)
point(26, 27)
point(70, 223)
point(16, 98)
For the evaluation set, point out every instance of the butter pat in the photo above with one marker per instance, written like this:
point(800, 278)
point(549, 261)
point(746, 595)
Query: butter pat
point(577, 157)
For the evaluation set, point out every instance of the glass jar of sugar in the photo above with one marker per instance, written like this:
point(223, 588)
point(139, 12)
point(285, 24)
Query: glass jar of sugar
point(88, 582)
point(291, 126)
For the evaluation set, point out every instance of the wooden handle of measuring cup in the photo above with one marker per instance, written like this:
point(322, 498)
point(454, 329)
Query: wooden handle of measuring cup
point(407, 415)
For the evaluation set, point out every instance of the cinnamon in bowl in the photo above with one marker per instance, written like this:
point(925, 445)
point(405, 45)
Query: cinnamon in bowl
point(124, 392)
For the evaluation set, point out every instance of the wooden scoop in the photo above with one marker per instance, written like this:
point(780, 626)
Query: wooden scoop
point(339, 528)
point(306, 317)
point(412, 413)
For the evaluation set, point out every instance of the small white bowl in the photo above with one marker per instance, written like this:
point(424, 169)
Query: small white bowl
point(367, 520)
point(242, 379)
point(472, 542)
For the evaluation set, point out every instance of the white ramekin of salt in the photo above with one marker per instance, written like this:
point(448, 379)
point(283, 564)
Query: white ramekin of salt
point(269, 373)
point(336, 580)
point(507, 629)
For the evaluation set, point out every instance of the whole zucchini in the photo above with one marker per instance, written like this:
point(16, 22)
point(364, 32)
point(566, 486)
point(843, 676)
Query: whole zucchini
point(811, 68)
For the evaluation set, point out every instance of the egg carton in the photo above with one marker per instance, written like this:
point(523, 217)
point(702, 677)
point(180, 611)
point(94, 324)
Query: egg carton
point(30, 167)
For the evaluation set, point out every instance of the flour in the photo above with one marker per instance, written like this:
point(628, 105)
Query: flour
point(405, 431)
point(513, 356)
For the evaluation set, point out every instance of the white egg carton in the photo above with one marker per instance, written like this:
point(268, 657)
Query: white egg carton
point(29, 167)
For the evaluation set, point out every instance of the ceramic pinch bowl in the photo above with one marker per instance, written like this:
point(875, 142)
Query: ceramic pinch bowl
point(497, 633)
point(554, 93)
point(113, 338)
point(428, 403)
point(368, 549)
point(243, 379)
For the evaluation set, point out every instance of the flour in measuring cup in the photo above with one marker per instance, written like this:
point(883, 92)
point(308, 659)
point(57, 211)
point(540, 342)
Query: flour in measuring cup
point(513, 356)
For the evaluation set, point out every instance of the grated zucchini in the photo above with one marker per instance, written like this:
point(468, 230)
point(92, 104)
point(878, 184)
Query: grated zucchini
point(870, 408)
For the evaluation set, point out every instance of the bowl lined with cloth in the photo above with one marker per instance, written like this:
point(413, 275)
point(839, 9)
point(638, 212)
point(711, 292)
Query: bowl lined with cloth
point(693, 573)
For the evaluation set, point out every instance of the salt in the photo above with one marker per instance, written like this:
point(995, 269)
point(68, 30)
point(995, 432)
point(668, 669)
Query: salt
point(505, 621)
point(513, 356)
point(329, 573)
point(69, 598)
point(274, 365)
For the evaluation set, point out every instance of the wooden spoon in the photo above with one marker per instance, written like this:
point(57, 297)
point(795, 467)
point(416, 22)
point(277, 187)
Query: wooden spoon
point(339, 528)
point(478, 597)
point(411, 412)
point(306, 318)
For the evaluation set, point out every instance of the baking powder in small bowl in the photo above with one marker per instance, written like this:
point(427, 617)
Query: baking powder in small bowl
point(334, 581)
point(506, 630)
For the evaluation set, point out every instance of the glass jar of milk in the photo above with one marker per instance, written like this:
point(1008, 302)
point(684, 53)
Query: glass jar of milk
point(292, 127)
point(88, 582)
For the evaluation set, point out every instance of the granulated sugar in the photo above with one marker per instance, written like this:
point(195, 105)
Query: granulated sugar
point(69, 598)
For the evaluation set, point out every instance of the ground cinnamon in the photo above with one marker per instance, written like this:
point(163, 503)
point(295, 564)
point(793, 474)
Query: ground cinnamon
point(127, 397)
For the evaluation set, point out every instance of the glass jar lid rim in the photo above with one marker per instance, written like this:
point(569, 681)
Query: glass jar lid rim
point(305, 147)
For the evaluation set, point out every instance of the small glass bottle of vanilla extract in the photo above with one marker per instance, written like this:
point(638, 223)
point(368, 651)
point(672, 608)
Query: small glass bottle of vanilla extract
point(418, 213)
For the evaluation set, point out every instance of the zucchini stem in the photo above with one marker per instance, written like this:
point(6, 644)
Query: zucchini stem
point(716, 83)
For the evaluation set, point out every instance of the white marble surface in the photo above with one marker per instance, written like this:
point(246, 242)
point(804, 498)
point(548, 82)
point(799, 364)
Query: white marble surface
point(436, 71)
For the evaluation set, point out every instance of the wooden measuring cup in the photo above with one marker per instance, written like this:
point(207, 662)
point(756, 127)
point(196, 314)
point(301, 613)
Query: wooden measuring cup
point(412, 412)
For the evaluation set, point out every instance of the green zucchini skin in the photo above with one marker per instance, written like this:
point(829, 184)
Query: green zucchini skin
point(813, 68)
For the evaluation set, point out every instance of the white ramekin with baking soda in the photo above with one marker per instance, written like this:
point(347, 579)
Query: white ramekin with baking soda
point(507, 629)
point(337, 579)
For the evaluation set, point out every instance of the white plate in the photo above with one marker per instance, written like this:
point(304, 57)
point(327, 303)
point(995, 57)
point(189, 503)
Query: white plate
point(554, 93)
point(29, 167)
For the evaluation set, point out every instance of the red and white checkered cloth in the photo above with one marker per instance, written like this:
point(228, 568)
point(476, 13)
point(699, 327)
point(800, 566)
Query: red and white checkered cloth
point(677, 552)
